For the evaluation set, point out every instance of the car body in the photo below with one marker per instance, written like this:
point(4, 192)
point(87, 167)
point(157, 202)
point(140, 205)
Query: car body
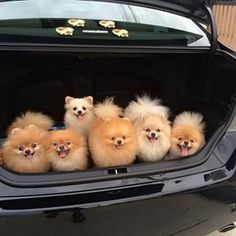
point(191, 196)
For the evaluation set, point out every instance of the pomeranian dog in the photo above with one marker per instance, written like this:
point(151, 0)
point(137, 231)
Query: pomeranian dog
point(187, 135)
point(150, 119)
point(67, 150)
point(31, 118)
point(79, 114)
point(24, 149)
point(112, 139)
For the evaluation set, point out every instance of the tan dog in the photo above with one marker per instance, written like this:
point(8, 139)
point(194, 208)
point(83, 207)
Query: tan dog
point(24, 150)
point(67, 151)
point(112, 139)
point(187, 135)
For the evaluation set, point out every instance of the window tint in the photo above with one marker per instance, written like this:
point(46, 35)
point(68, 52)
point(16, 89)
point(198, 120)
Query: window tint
point(91, 22)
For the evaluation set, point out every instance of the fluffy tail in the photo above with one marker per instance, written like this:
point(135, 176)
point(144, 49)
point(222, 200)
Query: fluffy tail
point(190, 118)
point(31, 118)
point(146, 106)
point(107, 109)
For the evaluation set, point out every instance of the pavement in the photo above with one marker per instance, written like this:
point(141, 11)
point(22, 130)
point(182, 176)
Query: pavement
point(39, 225)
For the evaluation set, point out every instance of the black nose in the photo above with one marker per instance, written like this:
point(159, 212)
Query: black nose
point(79, 112)
point(185, 142)
point(153, 135)
point(61, 147)
point(119, 142)
point(27, 151)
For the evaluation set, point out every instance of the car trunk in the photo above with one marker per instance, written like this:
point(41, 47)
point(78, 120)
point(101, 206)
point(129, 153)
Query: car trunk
point(40, 81)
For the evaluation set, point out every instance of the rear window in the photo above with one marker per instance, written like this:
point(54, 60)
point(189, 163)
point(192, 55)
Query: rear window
point(92, 22)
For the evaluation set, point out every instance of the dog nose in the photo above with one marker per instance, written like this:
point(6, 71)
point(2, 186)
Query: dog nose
point(185, 142)
point(27, 152)
point(119, 142)
point(61, 147)
point(153, 135)
point(79, 112)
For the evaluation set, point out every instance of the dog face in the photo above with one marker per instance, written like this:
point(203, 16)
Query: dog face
point(186, 140)
point(63, 143)
point(66, 150)
point(118, 134)
point(26, 143)
point(153, 128)
point(117, 140)
point(27, 150)
point(79, 107)
point(62, 148)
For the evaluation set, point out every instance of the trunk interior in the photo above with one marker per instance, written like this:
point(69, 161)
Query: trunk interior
point(40, 82)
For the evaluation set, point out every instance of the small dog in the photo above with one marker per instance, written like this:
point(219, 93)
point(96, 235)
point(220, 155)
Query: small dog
point(67, 151)
point(79, 114)
point(112, 139)
point(187, 135)
point(150, 119)
point(24, 150)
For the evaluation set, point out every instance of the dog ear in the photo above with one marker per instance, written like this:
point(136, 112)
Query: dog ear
point(89, 99)
point(165, 118)
point(15, 131)
point(31, 127)
point(68, 99)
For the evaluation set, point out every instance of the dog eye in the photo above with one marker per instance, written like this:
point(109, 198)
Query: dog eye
point(68, 143)
point(192, 141)
point(84, 108)
point(74, 108)
point(180, 138)
point(21, 147)
point(113, 138)
point(54, 144)
point(147, 130)
point(123, 137)
point(158, 130)
point(33, 145)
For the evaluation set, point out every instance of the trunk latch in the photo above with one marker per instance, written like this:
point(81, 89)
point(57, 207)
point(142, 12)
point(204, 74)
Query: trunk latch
point(117, 171)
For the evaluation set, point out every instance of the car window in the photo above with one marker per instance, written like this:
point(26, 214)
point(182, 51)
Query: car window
point(92, 22)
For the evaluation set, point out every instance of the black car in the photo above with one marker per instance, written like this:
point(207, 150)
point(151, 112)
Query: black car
point(168, 49)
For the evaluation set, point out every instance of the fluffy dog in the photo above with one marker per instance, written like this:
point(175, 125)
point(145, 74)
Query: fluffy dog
point(24, 150)
point(67, 150)
point(153, 128)
point(79, 114)
point(187, 135)
point(112, 139)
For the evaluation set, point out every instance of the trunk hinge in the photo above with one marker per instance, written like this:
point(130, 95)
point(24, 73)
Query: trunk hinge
point(214, 35)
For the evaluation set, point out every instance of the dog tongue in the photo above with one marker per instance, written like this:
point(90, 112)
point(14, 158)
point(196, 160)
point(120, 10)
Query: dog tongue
point(79, 117)
point(62, 154)
point(29, 156)
point(152, 140)
point(184, 151)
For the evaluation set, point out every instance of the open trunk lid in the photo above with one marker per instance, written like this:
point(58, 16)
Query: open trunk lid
point(193, 8)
